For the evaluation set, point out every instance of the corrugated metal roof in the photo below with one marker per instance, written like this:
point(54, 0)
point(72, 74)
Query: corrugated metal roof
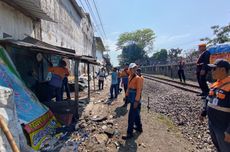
point(39, 48)
point(32, 40)
point(30, 8)
point(49, 49)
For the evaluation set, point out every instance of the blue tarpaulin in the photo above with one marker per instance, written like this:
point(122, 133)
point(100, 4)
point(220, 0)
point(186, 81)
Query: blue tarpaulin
point(27, 105)
point(217, 49)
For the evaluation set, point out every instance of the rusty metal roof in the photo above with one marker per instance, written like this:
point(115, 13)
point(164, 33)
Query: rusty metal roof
point(30, 8)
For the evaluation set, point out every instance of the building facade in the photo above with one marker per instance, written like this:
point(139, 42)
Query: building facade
point(59, 22)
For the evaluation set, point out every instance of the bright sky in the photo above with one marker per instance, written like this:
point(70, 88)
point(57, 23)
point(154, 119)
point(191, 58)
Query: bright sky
point(176, 23)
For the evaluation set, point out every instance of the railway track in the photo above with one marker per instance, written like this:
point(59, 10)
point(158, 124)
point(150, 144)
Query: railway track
point(183, 86)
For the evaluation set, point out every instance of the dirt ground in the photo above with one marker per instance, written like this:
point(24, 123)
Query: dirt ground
point(159, 133)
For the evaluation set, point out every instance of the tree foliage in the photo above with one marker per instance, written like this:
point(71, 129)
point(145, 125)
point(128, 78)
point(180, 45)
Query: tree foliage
point(135, 45)
point(160, 56)
point(221, 35)
point(131, 53)
point(192, 55)
point(144, 38)
point(173, 54)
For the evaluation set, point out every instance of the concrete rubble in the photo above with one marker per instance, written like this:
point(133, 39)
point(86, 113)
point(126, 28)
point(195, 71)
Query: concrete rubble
point(96, 130)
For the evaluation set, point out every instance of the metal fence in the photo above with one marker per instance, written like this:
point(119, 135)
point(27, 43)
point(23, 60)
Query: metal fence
point(171, 70)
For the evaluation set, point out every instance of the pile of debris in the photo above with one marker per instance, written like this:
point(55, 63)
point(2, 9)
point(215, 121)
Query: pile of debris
point(82, 82)
point(103, 133)
point(96, 130)
point(101, 126)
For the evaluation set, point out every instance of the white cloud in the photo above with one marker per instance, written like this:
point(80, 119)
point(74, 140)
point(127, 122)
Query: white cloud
point(178, 37)
point(168, 41)
point(111, 44)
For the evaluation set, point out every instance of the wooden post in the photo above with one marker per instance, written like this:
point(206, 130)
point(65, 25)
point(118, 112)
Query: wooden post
point(76, 75)
point(8, 135)
point(88, 82)
point(94, 85)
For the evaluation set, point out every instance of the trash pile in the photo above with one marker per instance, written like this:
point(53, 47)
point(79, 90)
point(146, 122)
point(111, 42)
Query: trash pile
point(101, 126)
point(96, 130)
point(67, 140)
point(82, 82)
point(103, 133)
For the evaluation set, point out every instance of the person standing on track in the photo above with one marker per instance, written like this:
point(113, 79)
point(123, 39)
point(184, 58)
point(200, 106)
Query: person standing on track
point(181, 71)
point(218, 106)
point(202, 69)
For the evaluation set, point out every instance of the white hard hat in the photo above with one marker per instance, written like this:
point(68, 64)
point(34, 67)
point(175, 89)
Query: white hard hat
point(132, 65)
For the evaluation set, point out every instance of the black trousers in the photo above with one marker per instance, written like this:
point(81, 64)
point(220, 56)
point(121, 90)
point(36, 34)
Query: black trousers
point(125, 87)
point(181, 75)
point(202, 80)
point(101, 84)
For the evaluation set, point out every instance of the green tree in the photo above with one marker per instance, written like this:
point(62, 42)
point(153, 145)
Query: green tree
point(192, 55)
point(131, 53)
point(132, 42)
point(160, 56)
point(221, 35)
point(144, 38)
point(173, 54)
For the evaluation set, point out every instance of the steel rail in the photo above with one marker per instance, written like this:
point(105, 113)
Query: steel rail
point(173, 83)
point(185, 84)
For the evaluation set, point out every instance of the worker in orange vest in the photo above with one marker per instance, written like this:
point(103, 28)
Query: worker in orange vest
point(218, 106)
point(55, 84)
point(133, 94)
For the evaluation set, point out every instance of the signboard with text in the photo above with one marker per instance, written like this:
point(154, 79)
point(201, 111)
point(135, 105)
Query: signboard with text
point(37, 119)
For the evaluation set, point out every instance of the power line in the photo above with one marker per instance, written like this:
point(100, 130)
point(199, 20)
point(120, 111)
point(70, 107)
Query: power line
point(90, 10)
point(99, 18)
point(93, 17)
point(82, 5)
point(98, 28)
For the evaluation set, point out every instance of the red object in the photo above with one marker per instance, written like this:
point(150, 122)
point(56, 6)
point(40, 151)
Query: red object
point(65, 119)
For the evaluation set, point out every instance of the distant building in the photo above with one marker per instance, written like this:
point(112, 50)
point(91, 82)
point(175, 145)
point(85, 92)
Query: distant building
point(100, 49)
